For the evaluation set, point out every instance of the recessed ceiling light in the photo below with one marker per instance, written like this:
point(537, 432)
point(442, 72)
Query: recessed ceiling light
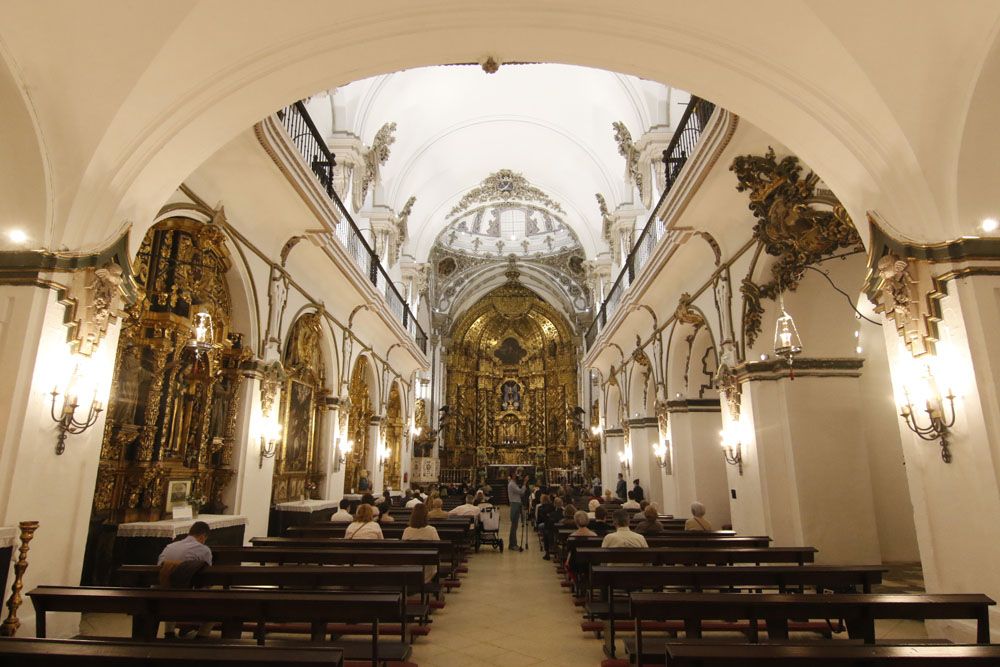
point(990, 225)
point(17, 236)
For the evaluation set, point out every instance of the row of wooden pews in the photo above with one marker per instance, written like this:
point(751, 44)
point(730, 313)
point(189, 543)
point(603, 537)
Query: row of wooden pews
point(291, 600)
point(736, 600)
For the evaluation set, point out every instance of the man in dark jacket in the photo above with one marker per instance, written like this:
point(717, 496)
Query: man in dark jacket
point(640, 495)
point(622, 489)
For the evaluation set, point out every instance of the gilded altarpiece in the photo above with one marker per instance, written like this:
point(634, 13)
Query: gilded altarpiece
point(359, 422)
point(393, 478)
point(511, 384)
point(297, 465)
point(173, 407)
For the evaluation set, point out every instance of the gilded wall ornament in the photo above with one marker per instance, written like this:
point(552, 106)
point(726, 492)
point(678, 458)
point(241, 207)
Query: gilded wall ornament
point(376, 156)
point(789, 224)
point(729, 385)
point(685, 314)
point(504, 185)
point(895, 294)
point(94, 298)
point(271, 379)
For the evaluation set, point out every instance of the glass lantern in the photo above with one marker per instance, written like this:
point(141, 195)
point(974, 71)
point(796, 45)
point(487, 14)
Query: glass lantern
point(787, 343)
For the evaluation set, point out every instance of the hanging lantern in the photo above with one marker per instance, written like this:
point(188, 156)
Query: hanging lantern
point(202, 334)
point(787, 343)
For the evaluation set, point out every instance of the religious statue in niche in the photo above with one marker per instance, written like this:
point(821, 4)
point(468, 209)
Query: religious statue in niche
point(510, 396)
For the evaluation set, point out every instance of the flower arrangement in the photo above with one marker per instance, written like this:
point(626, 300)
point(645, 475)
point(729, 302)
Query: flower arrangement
point(196, 503)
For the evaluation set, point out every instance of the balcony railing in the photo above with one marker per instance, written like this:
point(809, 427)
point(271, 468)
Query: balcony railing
point(307, 140)
point(681, 147)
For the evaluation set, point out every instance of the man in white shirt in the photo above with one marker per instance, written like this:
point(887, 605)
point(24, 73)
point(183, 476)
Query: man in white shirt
point(342, 515)
point(412, 499)
point(631, 503)
point(623, 537)
point(468, 509)
point(175, 555)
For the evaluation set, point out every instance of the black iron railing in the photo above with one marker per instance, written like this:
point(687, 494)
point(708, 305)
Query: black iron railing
point(682, 145)
point(306, 138)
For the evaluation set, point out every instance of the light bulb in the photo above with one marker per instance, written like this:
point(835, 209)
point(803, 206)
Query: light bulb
point(786, 338)
point(17, 236)
point(989, 225)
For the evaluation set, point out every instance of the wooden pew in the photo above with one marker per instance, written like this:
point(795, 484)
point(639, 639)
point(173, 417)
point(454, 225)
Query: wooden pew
point(149, 606)
point(620, 577)
point(698, 556)
point(859, 611)
point(125, 653)
point(402, 578)
point(449, 556)
point(827, 654)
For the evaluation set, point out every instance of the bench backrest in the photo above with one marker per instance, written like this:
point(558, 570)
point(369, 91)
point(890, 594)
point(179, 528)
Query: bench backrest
point(827, 653)
point(703, 556)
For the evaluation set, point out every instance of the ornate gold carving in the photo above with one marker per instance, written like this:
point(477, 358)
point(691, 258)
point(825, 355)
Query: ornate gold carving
point(272, 377)
point(896, 295)
point(628, 150)
point(504, 185)
point(12, 622)
point(729, 385)
point(685, 314)
point(360, 419)
point(95, 299)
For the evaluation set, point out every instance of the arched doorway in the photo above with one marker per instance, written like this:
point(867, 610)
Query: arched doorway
point(297, 471)
point(393, 476)
point(359, 422)
point(512, 385)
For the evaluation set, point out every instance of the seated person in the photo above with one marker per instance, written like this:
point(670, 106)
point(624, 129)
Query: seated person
point(600, 523)
point(342, 515)
point(480, 498)
point(385, 517)
point(650, 524)
point(415, 499)
point(364, 527)
point(551, 525)
point(581, 520)
point(631, 503)
point(369, 499)
point(408, 498)
point(609, 496)
point(697, 520)
point(419, 530)
point(623, 537)
point(179, 562)
point(468, 509)
point(643, 504)
point(436, 511)
point(569, 517)
point(592, 507)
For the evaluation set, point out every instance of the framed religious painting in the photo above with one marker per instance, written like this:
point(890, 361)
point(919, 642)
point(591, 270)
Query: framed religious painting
point(299, 414)
point(178, 491)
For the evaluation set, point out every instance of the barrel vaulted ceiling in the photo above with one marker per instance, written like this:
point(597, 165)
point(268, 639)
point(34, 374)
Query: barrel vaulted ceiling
point(456, 125)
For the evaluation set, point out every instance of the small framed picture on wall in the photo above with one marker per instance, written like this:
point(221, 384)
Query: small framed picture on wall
point(178, 491)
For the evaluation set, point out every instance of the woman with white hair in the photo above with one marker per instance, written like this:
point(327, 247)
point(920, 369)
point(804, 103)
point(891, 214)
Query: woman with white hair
point(592, 507)
point(697, 520)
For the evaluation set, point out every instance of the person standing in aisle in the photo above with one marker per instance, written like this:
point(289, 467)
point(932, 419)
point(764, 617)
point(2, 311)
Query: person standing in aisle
point(515, 493)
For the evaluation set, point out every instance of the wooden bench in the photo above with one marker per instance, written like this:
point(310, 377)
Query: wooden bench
point(859, 611)
point(124, 653)
point(698, 556)
point(826, 654)
point(614, 578)
point(402, 578)
point(149, 606)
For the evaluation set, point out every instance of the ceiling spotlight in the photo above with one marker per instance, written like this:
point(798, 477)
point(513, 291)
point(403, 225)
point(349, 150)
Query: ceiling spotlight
point(989, 225)
point(17, 236)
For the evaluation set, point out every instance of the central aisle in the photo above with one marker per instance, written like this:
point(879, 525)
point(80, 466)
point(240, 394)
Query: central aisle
point(510, 611)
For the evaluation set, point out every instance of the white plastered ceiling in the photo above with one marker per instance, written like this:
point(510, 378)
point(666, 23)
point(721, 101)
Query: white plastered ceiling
point(458, 124)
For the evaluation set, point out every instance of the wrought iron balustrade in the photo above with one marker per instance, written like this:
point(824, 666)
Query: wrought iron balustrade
point(681, 147)
point(307, 140)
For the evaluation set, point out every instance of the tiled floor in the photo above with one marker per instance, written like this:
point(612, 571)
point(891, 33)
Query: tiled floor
point(511, 611)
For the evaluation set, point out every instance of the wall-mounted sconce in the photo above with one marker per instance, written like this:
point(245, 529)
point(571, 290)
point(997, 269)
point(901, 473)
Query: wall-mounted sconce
point(383, 455)
point(598, 432)
point(344, 448)
point(661, 450)
point(625, 458)
point(81, 389)
point(921, 394)
point(732, 446)
point(270, 436)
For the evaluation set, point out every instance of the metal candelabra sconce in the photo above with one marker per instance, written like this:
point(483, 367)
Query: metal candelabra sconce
point(598, 433)
point(66, 421)
point(732, 448)
point(661, 451)
point(269, 438)
point(12, 622)
point(383, 455)
point(344, 448)
point(625, 458)
point(922, 388)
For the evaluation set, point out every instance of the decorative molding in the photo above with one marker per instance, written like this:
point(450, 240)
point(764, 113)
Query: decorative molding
point(375, 157)
point(685, 314)
point(794, 223)
point(627, 149)
point(504, 185)
point(728, 382)
point(777, 369)
point(695, 405)
point(93, 301)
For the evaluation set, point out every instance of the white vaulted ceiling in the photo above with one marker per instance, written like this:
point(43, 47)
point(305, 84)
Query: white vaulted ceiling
point(456, 125)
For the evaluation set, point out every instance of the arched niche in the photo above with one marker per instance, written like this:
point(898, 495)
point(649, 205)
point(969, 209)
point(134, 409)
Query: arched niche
point(297, 470)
